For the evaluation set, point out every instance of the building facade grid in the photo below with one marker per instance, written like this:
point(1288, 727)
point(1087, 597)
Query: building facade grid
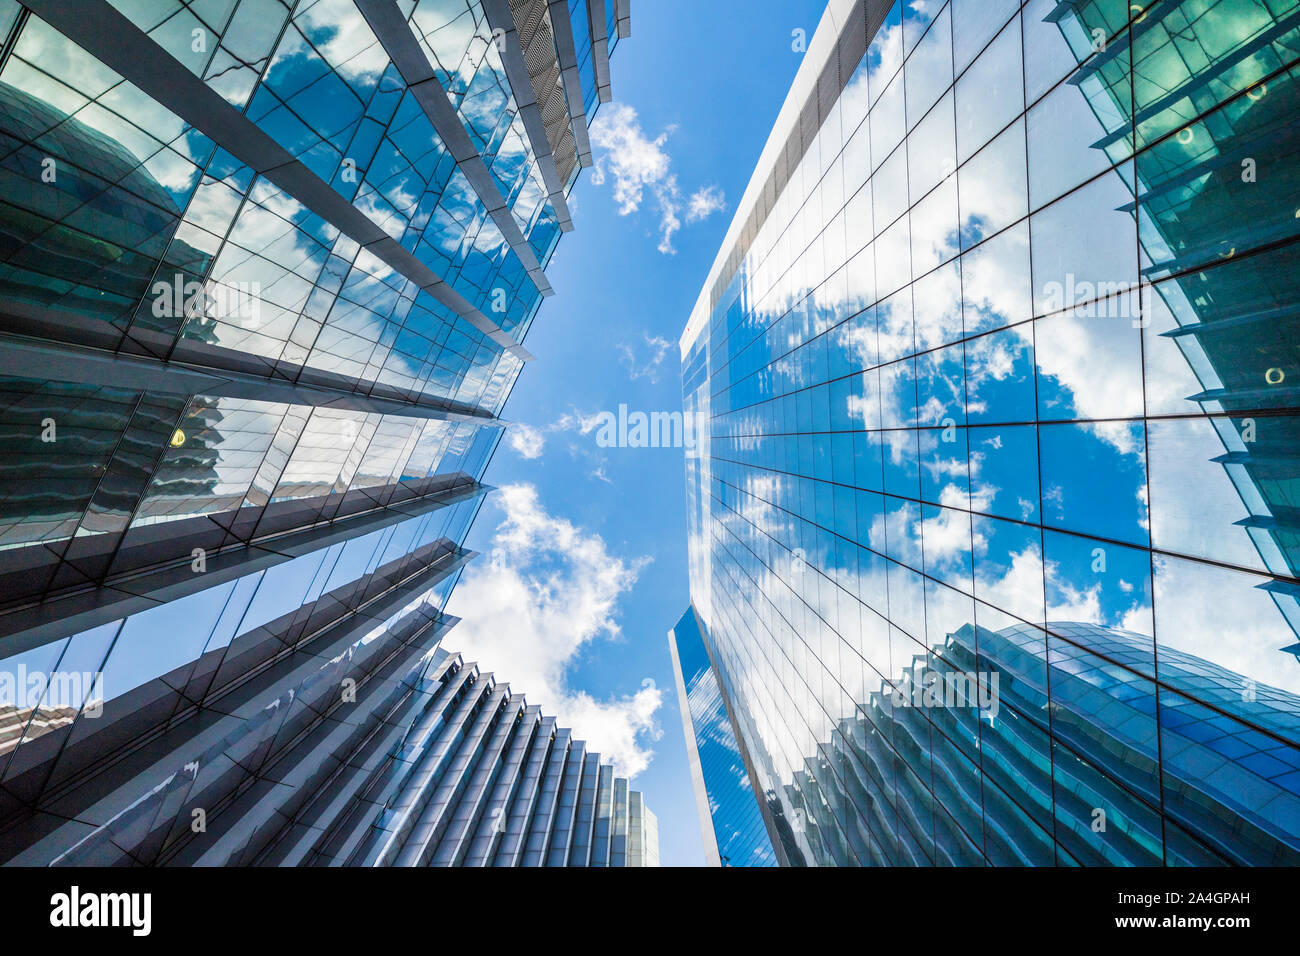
point(997, 362)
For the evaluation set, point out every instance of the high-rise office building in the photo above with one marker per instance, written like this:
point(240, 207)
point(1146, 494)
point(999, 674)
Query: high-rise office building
point(731, 824)
point(428, 763)
point(266, 268)
point(993, 525)
point(642, 833)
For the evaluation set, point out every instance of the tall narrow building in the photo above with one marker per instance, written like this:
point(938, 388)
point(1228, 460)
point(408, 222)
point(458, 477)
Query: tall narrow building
point(266, 271)
point(993, 525)
point(732, 828)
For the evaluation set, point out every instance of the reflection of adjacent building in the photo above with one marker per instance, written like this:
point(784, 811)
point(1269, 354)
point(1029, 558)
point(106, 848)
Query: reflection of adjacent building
point(17, 722)
point(1216, 215)
point(1110, 772)
point(225, 503)
point(55, 261)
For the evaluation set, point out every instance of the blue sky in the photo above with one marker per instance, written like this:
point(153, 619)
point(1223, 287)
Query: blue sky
point(696, 89)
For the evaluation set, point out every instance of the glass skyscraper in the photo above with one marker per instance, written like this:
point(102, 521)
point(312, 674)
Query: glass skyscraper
point(432, 764)
point(993, 529)
point(266, 270)
point(731, 823)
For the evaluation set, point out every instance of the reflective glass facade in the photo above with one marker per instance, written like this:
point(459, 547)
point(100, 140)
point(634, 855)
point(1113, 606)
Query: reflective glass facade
point(266, 267)
point(731, 824)
point(998, 360)
point(434, 764)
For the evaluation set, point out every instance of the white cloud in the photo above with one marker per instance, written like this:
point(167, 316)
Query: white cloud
point(639, 164)
point(704, 202)
point(649, 368)
point(526, 440)
point(668, 197)
point(1222, 616)
point(548, 591)
point(580, 423)
point(575, 420)
point(633, 159)
point(529, 441)
point(949, 534)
